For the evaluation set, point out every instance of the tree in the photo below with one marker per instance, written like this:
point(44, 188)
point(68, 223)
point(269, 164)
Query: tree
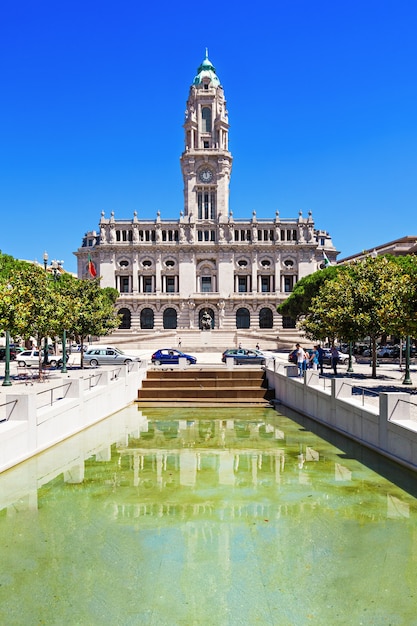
point(366, 299)
point(32, 303)
point(299, 302)
point(29, 307)
point(90, 309)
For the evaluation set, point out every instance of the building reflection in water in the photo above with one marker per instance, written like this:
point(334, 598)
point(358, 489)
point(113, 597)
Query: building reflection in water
point(156, 456)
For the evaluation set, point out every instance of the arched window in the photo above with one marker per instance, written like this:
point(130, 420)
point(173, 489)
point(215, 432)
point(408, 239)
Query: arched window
point(170, 318)
point(242, 318)
point(265, 318)
point(206, 118)
point(126, 318)
point(288, 322)
point(146, 318)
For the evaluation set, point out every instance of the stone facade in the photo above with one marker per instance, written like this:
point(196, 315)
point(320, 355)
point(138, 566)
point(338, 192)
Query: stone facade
point(173, 274)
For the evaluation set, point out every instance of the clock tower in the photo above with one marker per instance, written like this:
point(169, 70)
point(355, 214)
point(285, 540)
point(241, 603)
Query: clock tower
point(206, 162)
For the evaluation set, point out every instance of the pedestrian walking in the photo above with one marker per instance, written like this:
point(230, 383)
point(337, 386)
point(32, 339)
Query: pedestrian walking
point(314, 358)
point(320, 352)
point(301, 359)
point(334, 354)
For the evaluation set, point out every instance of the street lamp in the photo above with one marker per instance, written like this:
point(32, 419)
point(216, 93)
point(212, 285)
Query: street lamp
point(56, 272)
point(350, 368)
point(407, 378)
point(7, 382)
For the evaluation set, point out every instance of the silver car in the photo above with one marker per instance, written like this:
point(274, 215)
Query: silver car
point(107, 355)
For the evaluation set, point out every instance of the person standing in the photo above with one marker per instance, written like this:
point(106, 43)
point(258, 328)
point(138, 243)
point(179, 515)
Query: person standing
point(314, 358)
point(334, 353)
point(320, 353)
point(301, 359)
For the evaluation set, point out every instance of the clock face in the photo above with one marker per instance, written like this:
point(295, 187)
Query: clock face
point(206, 176)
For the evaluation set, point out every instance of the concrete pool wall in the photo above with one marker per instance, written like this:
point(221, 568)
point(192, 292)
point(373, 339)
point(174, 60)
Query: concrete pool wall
point(37, 418)
point(386, 423)
point(40, 416)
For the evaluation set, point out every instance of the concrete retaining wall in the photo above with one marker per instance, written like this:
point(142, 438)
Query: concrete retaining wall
point(390, 427)
point(39, 419)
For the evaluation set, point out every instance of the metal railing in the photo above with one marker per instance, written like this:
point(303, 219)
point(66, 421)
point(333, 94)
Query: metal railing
point(51, 395)
point(4, 417)
point(92, 381)
point(405, 407)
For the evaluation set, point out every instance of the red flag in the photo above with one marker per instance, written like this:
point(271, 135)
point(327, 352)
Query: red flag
point(91, 267)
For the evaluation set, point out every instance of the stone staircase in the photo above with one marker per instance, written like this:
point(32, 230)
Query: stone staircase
point(216, 386)
point(194, 340)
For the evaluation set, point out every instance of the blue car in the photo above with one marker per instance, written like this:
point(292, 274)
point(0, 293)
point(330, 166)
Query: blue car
point(170, 356)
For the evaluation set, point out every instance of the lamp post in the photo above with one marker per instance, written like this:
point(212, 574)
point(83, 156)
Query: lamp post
point(7, 382)
point(350, 368)
point(407, 378)
point(64, 352)
point(56, 273)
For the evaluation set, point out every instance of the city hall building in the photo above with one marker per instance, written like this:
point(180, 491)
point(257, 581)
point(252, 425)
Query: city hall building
point(207, 270)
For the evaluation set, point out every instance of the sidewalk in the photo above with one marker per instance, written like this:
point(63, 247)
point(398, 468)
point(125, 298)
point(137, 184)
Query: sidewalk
point(388, 375)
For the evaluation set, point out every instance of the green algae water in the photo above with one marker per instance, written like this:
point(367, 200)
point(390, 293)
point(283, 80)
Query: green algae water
point(207, 517)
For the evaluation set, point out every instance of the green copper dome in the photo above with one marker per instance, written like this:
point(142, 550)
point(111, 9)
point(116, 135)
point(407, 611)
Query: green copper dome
point(206, 70)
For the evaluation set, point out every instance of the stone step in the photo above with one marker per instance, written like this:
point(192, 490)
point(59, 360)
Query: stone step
point(206, 383)
point(243, 373)
point(205, 387)
point(200, 393)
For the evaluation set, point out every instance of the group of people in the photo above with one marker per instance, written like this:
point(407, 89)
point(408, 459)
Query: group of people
point(314, 358)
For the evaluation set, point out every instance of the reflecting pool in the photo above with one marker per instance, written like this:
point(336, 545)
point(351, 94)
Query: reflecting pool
point(208, 517)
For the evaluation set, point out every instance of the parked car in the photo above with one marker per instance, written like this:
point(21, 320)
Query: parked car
point(387, 352)
point(30, 358)
point(242, 356)
point(14, 351)
point(170, 356)
point(107, 355)
point(343, 358)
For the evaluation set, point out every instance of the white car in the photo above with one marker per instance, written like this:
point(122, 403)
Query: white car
point(107, 355)
point(29, 358)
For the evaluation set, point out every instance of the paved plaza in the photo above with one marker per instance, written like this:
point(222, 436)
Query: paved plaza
point(389, 375)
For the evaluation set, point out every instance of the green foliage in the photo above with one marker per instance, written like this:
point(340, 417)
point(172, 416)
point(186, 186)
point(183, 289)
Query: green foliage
point(370, 298)
point(32, 303)
point(299, 302)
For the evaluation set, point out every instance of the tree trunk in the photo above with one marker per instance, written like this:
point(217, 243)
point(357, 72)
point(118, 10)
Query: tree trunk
point(82, 351)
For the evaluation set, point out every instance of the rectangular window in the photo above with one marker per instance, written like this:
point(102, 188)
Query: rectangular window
point(206, 144)
point(206, 284)
point(265, 284)
point(124, 284)
point(242, 284)
point(170, 283)
point(288, 283)
point(212, 206)
point(147, 284)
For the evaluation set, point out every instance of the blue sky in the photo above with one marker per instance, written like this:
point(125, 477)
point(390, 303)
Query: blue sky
point(322, 100)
